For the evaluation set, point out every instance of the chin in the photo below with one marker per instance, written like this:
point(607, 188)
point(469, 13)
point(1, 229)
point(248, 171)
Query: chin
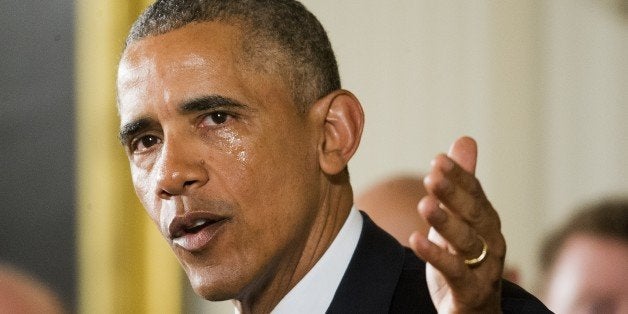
point(213, 294)
point(213, 287)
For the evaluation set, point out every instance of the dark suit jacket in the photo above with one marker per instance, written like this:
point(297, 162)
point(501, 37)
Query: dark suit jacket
point(385, 277)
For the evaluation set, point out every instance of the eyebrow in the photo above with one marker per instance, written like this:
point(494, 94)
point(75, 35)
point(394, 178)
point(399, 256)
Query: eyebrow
point(131, 129)
point(208, 103)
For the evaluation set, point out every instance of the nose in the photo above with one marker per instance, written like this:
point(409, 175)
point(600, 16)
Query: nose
point(178, 171)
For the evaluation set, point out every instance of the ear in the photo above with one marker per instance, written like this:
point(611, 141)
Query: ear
point(341, 120)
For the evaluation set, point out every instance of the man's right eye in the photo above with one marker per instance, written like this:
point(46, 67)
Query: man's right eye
point(144, 143)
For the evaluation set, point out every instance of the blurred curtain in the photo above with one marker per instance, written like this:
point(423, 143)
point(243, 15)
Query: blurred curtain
point(124, 265)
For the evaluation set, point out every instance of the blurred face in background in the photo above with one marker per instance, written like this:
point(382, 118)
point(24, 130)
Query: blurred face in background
point(590, 275)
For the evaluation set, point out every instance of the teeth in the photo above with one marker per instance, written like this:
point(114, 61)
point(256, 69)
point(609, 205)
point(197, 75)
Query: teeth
point(199, 223)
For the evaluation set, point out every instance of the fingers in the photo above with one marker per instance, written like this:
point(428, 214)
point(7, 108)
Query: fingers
point(465, 230)
point(447, 263)
point(462, 239)
point(466, 213)
point(450, 266)
point(465, 152)
point(459, 191)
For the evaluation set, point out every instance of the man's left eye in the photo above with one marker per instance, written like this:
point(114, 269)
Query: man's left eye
point(216, 118)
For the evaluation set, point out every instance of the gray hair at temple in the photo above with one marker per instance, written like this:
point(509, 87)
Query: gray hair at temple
point(279, 36)
point(606, 219)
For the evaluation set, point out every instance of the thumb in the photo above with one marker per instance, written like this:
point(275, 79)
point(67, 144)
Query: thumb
point(464, 151)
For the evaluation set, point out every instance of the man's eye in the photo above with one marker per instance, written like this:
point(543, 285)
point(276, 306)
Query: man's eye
point(216, 118)
point(145, 142)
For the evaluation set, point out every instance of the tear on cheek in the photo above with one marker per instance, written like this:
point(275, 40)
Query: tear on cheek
point(230, 139)
point(242, 157)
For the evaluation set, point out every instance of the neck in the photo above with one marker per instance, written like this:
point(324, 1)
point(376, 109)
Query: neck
point(335, 205)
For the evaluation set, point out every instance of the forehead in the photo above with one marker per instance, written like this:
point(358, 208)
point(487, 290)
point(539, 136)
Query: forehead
point(186, 63)
point(202, 38)
point(208, 47)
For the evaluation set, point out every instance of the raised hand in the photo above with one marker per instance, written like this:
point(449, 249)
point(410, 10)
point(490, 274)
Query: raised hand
point(465, 248)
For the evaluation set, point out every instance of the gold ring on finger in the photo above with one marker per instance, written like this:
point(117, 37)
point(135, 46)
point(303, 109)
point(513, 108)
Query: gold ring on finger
point(482, 257)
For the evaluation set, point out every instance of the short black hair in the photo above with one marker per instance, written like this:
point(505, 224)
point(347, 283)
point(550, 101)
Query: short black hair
point(282, 33)
point(606, 219)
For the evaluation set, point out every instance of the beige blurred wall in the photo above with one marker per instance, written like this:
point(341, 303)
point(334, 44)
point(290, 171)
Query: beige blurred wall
point(542, 85)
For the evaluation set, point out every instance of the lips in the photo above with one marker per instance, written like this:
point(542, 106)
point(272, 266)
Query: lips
point(194, 231)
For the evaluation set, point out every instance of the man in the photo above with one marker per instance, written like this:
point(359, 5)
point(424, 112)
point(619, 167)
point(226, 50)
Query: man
point(585, 262)
point(238, 136)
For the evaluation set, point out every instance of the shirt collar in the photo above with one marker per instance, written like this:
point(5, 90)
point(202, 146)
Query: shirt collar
point(315, 291)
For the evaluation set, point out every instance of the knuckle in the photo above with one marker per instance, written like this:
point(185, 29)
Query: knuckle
point(475, 188)
point(475, 214)
point(468, 244)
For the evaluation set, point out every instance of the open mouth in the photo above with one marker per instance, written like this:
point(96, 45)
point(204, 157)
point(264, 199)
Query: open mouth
point(198, 226)
point(192, 232)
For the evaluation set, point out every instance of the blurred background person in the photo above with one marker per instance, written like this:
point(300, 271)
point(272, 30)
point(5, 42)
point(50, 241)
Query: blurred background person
point(392, 204)
point(585, 262)
point(20, 293)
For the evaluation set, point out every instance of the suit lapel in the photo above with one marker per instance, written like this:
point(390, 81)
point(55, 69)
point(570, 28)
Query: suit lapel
point(369, 283)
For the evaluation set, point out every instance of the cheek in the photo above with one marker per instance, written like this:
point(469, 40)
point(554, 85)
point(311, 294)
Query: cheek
point(279, 183)
point(233, 145)
point(143, 189)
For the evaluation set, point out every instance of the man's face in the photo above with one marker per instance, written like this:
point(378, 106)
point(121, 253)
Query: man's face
point(221, 158)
